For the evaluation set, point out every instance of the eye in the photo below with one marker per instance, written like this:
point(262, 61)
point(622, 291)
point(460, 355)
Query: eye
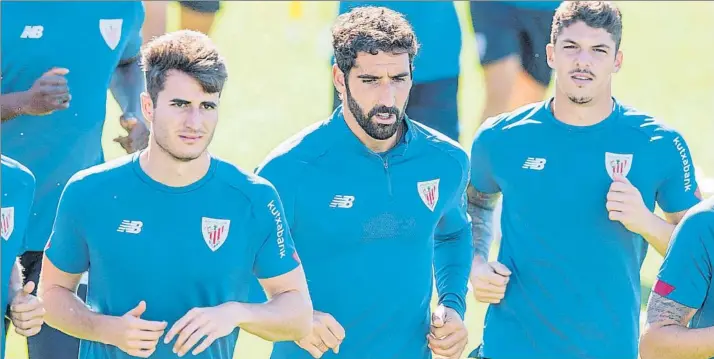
point(179, 104)
point(208, 106)
point(369, 81)
point(399, 79)
point(601, 51)
point(569, 46)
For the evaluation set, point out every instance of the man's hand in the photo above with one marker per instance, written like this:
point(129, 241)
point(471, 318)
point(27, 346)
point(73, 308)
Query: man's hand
point(326, 334)
point(137, 137)
point(49, 93)
point(133, 335)
point(212, 323)
point(26, 311)
point(625, 205)
point(448, 336)
point(489, 281)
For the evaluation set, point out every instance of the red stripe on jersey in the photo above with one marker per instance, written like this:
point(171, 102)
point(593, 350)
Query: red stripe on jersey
point(663, 288)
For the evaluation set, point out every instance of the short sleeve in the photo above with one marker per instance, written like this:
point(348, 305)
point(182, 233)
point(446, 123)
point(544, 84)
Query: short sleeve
point(679, 190)
point(133, 46)
point(685, 274)
point(481, 170)
point(276, 253)
point(282, 177)
point(67, 246)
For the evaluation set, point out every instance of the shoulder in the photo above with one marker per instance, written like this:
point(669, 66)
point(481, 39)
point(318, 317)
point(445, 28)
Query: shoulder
point(16, 171)
point(651, 128)
point(701, 215)
point(301, 148)
point(441, 144)
point(105, 174)
point(251, 186)
point(506, 124)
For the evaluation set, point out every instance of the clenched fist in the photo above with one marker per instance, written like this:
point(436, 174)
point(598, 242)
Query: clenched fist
point(489, 281)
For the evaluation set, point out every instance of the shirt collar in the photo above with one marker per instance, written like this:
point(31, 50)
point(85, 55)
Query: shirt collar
point(345, 137)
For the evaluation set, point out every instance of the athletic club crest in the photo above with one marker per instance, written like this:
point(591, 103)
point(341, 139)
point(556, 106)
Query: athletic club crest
point(215, 231)
point(429, 193)
point(111, 31)
point(616, 163)
point(7, 219)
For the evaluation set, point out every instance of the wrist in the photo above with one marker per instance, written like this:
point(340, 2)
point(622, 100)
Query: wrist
point(103, 325)
point(653, 225)
point(238, 313)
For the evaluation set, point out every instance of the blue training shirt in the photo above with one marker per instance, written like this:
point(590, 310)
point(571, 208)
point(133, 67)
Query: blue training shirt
point(437, 29)
point(534, 5)
point(369, 227)
point(686, 274)
point(574, 291)
point(18, 191)
point(89, 39)
point(174, 247)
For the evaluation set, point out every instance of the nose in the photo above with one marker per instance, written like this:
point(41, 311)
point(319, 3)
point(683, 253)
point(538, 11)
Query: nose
point(583, 60)
point(387, 95)
point(193, 119)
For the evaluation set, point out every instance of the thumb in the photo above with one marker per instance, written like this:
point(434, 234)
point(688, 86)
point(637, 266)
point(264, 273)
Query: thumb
point(138, 310)
point(500, 269)
point(57, 71)
point(620, 178)
point(438, 317)
point(127, 123)
point(28, 288)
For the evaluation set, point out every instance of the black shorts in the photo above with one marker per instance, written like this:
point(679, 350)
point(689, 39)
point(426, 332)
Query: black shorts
point(434, 104)
point(206, 7)
point(503, 30)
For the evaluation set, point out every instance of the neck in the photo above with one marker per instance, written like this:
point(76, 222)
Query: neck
point(594, 112)
point(165, 169)
point(378, 146)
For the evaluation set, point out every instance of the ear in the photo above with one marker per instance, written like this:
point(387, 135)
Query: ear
point(550, 55)
point(618, 61)
point(338, 79)
point(147, 107)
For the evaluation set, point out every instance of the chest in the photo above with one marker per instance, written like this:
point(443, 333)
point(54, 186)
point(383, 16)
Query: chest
point(369, 201)
point(88, 38)
point(194, 237)
point(576, 171)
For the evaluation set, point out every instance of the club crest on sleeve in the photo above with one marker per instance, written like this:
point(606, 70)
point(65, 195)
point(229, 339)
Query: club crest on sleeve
point(616, 163)
point(429, 193)
point(215, 231)
point(111, 31)
point(7, 219)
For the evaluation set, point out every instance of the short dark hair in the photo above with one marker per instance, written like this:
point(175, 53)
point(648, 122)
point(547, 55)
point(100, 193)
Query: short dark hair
point(190, 52)
point(596, 14)
point(371, 29)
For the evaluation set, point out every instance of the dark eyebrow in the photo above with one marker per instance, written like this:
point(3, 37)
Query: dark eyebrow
point(596, 46)
point(369, 77)
point(180, 101)
point(403, 74)
point(600, 46)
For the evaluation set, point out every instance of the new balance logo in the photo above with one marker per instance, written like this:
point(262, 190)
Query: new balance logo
point(32, 32)
point(341, 201)
point(533, 163)
point(133, 227)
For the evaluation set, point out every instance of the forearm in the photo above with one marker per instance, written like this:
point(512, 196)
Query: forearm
point(66, 312)
point(658, 233)
point(452, 266)
point(12, 105)
point(285, 317)
point(15, 281)
point(127, 85)
point(675, 341)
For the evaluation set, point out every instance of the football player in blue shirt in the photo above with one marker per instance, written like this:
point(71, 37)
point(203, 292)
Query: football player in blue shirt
point(580, 176)
point(377, 205)
point(433, 99)
point(58, 60)
point(172, 236)
point(679, 312)
point(25, 310)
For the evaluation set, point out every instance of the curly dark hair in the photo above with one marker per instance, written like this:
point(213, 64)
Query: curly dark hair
point(190, 52)
point(596, 14)
point(371, 29)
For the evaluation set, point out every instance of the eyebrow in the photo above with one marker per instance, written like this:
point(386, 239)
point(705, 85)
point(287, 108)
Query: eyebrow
point(372, 77)
point(185, 102)
point(575, 43)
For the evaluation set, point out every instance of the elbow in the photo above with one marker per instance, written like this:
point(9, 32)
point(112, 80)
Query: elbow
point(651, 344)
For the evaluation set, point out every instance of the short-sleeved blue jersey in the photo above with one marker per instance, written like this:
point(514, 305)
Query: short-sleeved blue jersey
point(18, 191)
point(88, 38)
point(372, 230)
point(575, 287)
point(174, 247)
point(686, 274)
point(437, 28)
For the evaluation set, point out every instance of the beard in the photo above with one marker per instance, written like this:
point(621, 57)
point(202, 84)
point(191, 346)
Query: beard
point(579, 100)
point(375, 130)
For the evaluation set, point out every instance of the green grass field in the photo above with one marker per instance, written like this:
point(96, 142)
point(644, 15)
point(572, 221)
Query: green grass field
point(280, 82)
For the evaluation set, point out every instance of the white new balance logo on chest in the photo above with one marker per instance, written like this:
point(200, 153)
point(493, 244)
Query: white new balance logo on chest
point(32, 32)
point(341, 201)
point(133, 227)
point(533, 163)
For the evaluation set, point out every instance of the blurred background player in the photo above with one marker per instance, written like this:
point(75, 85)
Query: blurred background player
point(580, 175)
point(377, 205)
point(680, 318)
point(24, 309)
point(511, 37)
point(194, 15)
point(433, 98)
point(54, 98)
point(215, 226)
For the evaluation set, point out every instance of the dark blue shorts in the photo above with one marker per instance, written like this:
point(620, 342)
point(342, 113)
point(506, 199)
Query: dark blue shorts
point(433, 104)
point(503, 30)
point(207, 7)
